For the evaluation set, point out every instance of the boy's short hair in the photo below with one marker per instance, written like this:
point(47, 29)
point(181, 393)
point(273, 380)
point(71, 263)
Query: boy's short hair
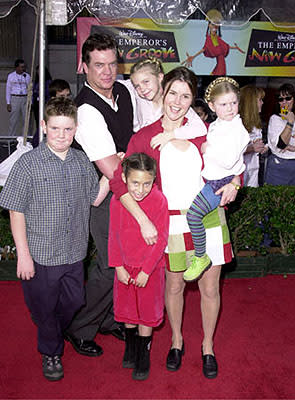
point(60, 106)
point(58, 85)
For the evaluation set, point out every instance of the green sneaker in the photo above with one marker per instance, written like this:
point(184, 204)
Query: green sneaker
point(197, 267)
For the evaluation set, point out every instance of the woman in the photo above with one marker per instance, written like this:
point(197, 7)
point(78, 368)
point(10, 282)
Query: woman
point(251, 101)
point(280, 169)
point(179, 165)
point(214, 46)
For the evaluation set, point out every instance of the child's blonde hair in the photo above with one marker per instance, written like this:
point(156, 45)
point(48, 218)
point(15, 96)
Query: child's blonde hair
point(220, 86)
point(154, 64)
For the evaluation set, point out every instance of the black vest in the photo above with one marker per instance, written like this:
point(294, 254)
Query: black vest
point(120, 123)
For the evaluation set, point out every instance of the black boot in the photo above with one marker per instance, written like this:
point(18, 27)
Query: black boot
point(142, 365)
point(130, 348)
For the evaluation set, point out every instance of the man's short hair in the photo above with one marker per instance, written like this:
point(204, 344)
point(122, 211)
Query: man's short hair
point(97, 42)
point(58, 85)
point(18, 61)
point(60, 106)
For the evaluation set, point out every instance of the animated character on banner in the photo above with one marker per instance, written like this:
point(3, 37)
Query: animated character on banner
point(214, 46)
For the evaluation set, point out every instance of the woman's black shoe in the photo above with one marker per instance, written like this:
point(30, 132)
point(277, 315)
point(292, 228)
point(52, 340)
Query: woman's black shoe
point(173, 362)
point(210, 367)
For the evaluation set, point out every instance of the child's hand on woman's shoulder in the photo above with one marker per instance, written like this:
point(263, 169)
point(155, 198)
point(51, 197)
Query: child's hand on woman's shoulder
point(141, 279)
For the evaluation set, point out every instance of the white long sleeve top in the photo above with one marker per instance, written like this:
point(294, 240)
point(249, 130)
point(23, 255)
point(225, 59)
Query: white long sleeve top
point(226, 143)
point(17, 84)
point(276, 126)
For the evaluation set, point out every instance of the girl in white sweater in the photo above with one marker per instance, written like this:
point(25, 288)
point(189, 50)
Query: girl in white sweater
point(227, 140)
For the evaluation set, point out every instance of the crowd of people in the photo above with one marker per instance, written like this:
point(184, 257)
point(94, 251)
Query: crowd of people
point(133, 161)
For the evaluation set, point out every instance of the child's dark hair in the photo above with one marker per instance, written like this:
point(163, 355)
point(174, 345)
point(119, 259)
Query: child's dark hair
point(200, 103)
point(60, 106)
point(58, 85)
point(141, 162)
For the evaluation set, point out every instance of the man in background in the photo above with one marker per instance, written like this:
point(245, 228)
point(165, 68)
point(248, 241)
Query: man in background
point(16, 95)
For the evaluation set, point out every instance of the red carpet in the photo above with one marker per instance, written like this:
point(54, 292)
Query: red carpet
point(254, 344)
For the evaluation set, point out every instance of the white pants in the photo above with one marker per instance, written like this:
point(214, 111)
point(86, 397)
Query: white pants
point(18, 109)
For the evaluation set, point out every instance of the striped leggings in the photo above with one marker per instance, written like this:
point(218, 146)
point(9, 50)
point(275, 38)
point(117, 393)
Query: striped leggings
point(205, 202)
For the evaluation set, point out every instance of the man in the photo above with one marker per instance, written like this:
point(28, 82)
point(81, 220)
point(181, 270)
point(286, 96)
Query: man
point(16, 95)
point(105, 125)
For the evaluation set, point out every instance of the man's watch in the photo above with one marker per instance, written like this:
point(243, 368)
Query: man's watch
point(237, 187)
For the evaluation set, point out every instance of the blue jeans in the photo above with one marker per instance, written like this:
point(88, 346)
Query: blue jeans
point(280, 171)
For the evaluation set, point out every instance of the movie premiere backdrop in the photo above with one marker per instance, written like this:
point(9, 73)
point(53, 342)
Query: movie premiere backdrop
point(259, 48)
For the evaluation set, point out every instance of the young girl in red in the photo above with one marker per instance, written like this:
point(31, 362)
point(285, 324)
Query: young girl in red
point(140, 268)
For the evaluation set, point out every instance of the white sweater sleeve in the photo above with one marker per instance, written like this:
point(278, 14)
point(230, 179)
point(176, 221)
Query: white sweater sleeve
point(194, 127)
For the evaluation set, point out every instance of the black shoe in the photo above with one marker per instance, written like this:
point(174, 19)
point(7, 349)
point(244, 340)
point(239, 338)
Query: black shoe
point(85, 347)
point(119, 333)
point(210, 367)
point(52, 367)
point(173, 362)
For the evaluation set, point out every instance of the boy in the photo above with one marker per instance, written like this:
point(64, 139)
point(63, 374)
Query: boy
point(48, 194)
point(59, 88)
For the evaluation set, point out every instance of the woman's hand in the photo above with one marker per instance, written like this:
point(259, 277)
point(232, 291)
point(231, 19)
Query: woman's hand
point(290, 117)
point(141, 279)
point(289, 148)
point(122, 275)
point(161, 140)
point(258, 146)
point(228, 192)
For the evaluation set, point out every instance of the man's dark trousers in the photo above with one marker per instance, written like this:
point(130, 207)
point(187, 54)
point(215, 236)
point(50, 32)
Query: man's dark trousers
point(97, 314)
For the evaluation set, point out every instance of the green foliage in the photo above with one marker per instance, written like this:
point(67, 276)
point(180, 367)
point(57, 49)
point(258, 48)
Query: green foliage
point(6, 238)
point(266, 210)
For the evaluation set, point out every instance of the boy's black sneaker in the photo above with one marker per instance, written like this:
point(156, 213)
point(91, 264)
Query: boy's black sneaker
point(52, 367)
